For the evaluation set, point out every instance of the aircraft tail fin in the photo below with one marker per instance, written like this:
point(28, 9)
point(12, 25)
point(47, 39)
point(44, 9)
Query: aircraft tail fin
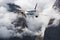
point(35, 6)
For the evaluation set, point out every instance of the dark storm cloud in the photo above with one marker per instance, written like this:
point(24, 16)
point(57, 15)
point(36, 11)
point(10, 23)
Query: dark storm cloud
point(13, 7)
point(53, 32)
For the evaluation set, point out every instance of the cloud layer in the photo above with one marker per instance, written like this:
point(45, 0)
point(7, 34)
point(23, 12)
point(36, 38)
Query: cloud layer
point(36, 26)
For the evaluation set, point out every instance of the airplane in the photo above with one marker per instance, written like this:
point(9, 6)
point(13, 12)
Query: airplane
point(32, 12)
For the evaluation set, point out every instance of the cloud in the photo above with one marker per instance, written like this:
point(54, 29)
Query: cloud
point(35, 25)
point(30, 4)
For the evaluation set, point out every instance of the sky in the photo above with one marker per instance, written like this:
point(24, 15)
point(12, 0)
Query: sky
point(45, 12)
